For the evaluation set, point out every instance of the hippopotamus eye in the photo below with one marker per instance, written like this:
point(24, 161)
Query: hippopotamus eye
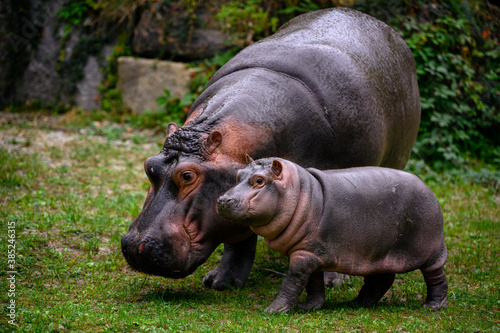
point(187, 176)
point(258, 181)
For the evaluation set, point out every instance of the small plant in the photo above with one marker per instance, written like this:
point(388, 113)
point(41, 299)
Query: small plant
point(207, 68)
point(247, 20)
point(111, 97)
point(75, 12)
point(175, 107)
point(300, 8)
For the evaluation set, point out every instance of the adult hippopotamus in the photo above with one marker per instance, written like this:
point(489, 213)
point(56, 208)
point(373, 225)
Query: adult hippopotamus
point(330, 89)
point(367, 221)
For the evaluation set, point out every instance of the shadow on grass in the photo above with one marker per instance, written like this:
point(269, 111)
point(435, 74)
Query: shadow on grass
point(182, 297)
point(381, 306)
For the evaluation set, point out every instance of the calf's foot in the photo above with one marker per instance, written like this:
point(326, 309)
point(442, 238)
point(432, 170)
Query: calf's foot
point(280, 306)
point(315, 289)
point(437, 289)
point(374, 289)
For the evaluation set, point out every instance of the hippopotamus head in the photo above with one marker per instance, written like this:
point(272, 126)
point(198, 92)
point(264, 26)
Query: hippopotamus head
point(264, 193)
point(178, 227)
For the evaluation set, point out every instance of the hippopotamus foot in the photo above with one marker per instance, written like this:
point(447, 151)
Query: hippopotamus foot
point(235, 265)
point(437, 289)
point(280, 306)
point(334, 279)
point(303, 272)
point(374, 289)
point(315, 289)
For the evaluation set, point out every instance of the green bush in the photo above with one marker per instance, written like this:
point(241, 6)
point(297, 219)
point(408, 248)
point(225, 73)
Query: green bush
point(246, 20)
point(458, 77)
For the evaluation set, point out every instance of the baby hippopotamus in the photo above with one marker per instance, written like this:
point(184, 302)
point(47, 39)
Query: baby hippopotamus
point(369, 221)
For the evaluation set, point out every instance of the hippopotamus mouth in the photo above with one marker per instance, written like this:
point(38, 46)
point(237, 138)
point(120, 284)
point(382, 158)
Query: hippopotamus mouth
point(172, 257)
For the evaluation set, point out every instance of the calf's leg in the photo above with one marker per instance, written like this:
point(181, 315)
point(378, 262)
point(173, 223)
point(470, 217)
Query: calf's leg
point(437, 289)
point(374, 288)
point(315, 289)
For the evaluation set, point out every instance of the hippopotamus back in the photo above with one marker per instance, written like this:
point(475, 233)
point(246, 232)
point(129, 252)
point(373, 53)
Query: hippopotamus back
point(361, 74)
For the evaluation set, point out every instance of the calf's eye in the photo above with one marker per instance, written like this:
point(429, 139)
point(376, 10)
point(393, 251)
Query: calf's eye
point(259, 182)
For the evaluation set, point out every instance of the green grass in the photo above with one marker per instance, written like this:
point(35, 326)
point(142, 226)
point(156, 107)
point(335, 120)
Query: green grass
point(73, 198)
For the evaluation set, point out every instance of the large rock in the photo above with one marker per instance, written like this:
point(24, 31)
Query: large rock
point(87, 94)
point(36, 47)
point(142, 81)
point(5, 82)
point(41, 81)
point(162, 32)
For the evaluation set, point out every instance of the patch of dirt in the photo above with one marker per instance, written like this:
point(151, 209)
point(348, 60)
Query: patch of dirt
point(33, 140)
point(34, 133)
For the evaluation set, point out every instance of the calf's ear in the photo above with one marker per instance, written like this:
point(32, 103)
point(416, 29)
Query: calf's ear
point(277, 168)
point(248, 159)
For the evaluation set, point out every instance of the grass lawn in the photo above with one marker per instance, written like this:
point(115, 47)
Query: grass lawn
point(69, 189)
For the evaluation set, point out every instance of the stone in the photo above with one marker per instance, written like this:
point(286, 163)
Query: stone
point(142, 81)
point(162, 34)
point(205, 43)
point(5, 82)
point(41, 81)
point(87, 94)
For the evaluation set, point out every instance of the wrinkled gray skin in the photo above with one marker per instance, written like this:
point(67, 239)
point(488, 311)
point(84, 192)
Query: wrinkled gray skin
point(369, 221)
point(330, 89)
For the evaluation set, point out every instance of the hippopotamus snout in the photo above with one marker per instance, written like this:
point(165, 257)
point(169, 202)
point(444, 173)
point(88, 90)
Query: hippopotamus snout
point(228, 205)
point(139, 251)
point(156, 252)
point(135, 248)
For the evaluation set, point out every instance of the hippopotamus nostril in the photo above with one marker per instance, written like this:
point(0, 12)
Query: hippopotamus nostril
point(141, 247)
point(224, 201)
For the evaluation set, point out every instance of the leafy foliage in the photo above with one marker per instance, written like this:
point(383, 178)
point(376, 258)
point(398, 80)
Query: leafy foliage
point(75, 12)
point(176, 107)
point(246, 20)
point(459, 90)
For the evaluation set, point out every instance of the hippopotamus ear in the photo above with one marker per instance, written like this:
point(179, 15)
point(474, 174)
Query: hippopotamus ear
point(276, 168)
point(213, 141)
point(171, 128)
point(248, 159)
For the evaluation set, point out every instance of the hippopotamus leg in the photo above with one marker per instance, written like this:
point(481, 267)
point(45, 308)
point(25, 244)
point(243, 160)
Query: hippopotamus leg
point(437, 288)
point(374, 289)
point(235, 265)
point(302, 271)
point(315, 289)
